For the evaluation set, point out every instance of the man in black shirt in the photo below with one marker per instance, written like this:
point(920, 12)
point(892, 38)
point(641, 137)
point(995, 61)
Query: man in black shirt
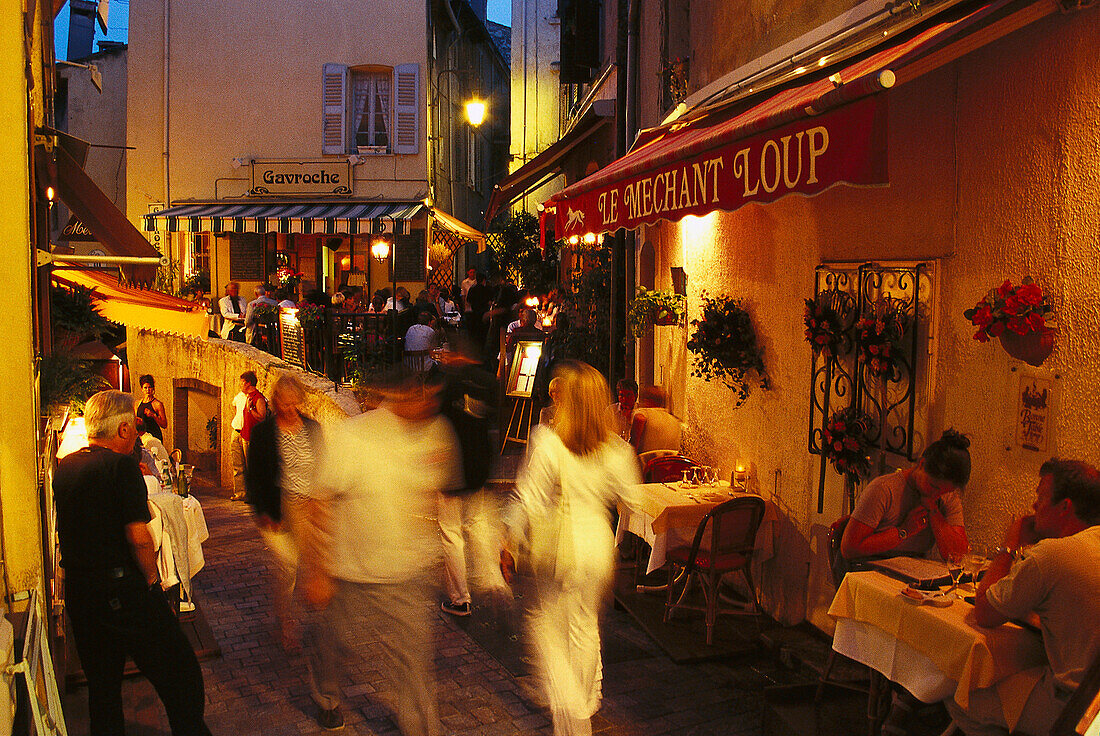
point(478, 299)
point(112, 589)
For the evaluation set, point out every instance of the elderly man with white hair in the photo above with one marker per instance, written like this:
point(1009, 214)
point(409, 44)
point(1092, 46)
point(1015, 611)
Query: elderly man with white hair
point(112, 589)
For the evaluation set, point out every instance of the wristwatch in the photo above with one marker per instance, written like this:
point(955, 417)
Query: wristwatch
point(1002, 550)
point(902, 534)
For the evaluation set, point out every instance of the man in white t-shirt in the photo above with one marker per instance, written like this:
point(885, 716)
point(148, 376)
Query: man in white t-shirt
point(652, 427)
point(1049, 568)
point(382, 563)
point(469, 281)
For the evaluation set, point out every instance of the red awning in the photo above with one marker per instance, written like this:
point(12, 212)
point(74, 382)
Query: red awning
point(102, 217)
point(802, 140)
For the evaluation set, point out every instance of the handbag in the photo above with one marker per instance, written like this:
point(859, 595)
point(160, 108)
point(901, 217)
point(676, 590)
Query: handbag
point(551, 549)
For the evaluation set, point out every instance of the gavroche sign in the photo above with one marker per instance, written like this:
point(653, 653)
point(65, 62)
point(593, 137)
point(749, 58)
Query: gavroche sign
point(300, 177)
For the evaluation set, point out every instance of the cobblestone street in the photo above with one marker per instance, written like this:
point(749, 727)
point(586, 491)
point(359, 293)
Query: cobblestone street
point(256, 688)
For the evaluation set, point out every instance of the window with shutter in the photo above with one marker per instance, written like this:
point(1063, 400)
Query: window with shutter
point(406, 108)
point(334, 94)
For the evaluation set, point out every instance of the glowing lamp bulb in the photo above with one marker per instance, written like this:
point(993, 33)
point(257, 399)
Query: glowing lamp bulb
point(380, 249)
point(475, 112)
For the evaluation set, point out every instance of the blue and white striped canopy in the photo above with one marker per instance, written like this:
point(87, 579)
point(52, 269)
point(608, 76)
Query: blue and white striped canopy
point(320, 218)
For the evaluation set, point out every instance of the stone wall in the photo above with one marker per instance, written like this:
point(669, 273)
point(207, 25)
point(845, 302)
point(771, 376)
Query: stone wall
point(213, 367)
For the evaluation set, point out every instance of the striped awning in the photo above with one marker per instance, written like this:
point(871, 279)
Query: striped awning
point(320, 218)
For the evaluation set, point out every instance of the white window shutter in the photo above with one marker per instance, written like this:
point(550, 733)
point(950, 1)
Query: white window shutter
point(406, 85)
point(334, 95)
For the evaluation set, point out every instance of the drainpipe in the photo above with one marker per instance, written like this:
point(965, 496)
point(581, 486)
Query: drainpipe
point(165, 90)
point(630, 120)
point(619, 243)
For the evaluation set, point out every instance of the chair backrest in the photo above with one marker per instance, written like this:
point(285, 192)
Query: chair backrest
point(417, 361)
point(1083, 706)
point(733, 525)
point(837, 565)
point(668, 468)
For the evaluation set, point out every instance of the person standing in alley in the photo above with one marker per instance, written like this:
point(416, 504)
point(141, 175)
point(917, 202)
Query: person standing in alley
point(384, 553)
point(575, 472)
point(112, 590)
point(250, 408)
point(151, 409)
point(283, 452)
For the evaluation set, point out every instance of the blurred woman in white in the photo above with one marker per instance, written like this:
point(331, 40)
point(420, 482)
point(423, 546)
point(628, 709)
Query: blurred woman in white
point(584, 468)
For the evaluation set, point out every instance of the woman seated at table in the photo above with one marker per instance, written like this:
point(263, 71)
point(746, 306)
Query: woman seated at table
point(909, 511)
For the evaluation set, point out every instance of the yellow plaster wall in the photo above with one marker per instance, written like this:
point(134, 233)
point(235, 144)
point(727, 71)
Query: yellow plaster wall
point(994, 168)
point(19, 501)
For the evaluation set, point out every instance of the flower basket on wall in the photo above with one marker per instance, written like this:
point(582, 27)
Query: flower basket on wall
point(651, 308)
point(725, 346)
point(1018, 315)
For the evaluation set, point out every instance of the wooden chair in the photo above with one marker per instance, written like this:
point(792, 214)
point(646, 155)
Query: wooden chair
point(1083, 706)
point(732, 526)
point(417, 361)
point(667, 468)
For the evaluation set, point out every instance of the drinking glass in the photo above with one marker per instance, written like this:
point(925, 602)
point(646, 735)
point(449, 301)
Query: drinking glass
point(688, 478)
point(954, 569)
point(972, 564)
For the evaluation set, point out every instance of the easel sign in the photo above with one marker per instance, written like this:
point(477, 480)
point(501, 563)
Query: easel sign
point(525, 361)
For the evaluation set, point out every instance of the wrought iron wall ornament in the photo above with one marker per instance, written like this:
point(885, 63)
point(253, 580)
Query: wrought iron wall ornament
point(873, 366)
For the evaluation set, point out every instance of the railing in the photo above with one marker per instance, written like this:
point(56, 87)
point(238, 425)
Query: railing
point(345, 347)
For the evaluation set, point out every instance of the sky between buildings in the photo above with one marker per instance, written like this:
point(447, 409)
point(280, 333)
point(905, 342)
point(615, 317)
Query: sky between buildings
point(118, 23)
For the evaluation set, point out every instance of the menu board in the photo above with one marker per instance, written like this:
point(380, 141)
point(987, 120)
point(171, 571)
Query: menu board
point(525, 361)
point(409, 257)
point(293, 341)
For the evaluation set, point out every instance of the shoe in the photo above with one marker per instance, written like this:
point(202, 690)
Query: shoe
point(331, 719)
point(237, 497)
point(455, 609)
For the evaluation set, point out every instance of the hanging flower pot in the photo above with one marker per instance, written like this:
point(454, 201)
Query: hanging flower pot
point(1031, 347)
point(664, 318)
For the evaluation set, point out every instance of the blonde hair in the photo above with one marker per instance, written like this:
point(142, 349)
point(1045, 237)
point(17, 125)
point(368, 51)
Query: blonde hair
point(582, 418)
point(288, 384)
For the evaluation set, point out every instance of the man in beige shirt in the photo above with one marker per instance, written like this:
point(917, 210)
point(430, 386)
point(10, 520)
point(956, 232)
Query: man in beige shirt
point(1048, 568)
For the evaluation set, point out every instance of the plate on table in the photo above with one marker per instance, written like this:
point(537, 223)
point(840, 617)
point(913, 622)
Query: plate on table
point(929, 597)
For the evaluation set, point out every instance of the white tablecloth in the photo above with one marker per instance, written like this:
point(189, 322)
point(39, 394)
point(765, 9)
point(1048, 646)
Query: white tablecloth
point(668, 517)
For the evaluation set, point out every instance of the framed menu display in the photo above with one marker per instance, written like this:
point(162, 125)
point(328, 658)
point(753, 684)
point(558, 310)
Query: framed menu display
point(525, 361)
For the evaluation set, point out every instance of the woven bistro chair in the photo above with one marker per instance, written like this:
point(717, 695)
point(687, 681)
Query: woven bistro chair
point(667, 468)
point(732, 527)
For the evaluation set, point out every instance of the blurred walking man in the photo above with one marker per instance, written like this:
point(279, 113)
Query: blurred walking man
point(384, 552)
point(112, 589)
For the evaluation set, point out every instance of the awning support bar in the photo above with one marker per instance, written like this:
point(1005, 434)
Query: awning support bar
point(44, 257)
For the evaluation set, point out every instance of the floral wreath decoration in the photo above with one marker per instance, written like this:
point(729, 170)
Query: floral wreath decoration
point(824, 325)
point(881, 330)
point(844, 442)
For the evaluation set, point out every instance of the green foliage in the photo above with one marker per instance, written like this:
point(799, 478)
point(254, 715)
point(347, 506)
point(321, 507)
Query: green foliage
point(67, 382)
point(653, 307)
point(266, 314)
point(516, 252)
point(725, 347)
point(75, 310)
point(212, 433)
point(363, 365)
point(166, 279)
point(590, 331)
point(197, 282)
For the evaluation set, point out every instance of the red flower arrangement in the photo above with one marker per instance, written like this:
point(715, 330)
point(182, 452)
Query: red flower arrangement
point(824, 327)
point(844, 442)
point(288, 278)
point(310, 315)
point(1019, 309)
point(881, 330)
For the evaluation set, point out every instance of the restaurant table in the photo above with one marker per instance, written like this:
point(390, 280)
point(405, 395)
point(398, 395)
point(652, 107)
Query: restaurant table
point(667, 515)
point(934, 653)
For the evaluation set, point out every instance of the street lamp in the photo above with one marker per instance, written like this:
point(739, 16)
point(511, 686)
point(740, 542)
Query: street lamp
point(383, 251)
point(475, 112)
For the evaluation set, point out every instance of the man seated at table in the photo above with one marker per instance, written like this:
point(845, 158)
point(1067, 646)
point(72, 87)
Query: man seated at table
point(908, 512)
point(653, 427)
point(1057, 579)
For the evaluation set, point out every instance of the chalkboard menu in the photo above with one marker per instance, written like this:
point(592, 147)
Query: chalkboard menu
point(246, 257)
point(409, 256)
point(293, 340)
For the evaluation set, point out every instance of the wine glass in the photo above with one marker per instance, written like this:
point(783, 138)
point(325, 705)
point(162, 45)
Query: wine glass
point(954, 569)
point(688, 478)
point(972, 564)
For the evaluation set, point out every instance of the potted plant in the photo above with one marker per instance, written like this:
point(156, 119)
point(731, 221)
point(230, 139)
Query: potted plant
point(266, 314)
point(197, 283)
point(310, 315)
point(1018, 315)
point(653, 307)
point(725, 346)
point(74, 316)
